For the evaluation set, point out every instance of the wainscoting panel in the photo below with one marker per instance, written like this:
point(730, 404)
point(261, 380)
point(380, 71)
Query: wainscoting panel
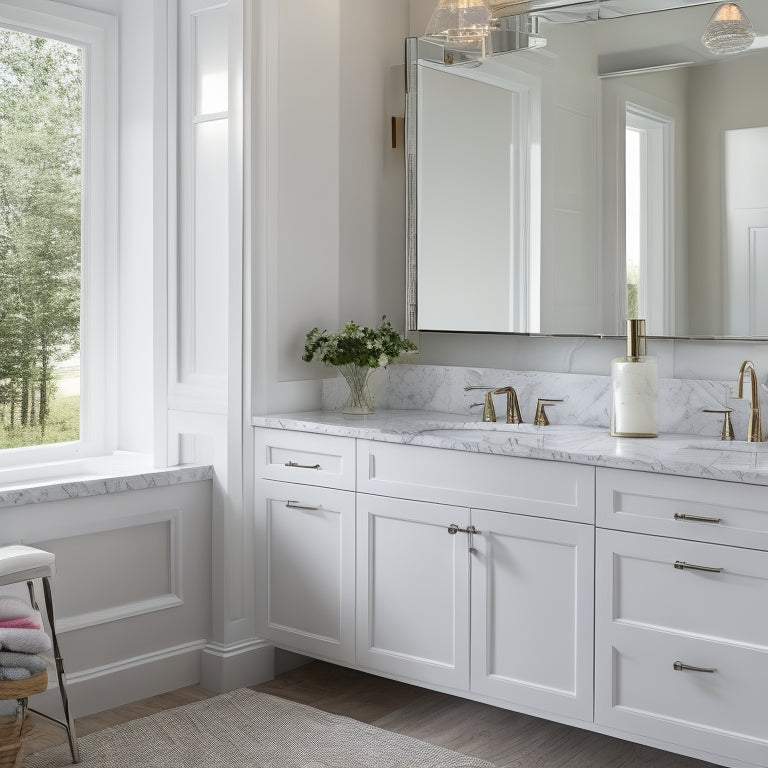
point(130, 568)
point(132, 592)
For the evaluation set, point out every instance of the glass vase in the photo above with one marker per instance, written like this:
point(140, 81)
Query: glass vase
point(360, 400)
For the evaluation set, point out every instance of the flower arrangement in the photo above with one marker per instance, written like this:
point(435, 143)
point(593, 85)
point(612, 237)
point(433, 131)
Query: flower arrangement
point(357, 350)
point(353, 345)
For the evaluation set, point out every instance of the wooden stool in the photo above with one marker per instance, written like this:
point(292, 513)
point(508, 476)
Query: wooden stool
point(19, 563)
point(12, 734)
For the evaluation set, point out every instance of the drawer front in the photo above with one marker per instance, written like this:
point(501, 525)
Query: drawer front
point(306, 458)
point(638, 689)
point(526, 486)
point(651, 582)
point(653, 622)
point(665, 505)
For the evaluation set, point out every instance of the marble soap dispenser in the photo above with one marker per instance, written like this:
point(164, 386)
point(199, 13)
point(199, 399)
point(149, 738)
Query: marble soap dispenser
point(635, 387)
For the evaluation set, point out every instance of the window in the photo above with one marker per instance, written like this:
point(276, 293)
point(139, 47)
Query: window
point(56, 220)
point(41, 162)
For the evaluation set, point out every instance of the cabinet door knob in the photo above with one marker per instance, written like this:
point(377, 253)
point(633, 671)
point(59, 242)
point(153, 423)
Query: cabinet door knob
point(454, 529)
point(680, 666)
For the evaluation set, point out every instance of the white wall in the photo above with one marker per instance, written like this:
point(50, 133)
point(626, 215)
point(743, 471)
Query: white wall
point(327, 208)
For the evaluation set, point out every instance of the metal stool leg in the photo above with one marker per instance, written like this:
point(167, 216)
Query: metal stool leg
point(69, 724)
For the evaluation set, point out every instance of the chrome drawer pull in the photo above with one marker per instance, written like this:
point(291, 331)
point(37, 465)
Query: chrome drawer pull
point(696, 518)
point(302, 466)
point(296, 505)
point(679, 666)
point(683, 566)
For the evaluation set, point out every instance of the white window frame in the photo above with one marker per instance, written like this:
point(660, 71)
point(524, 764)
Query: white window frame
point(96, 34)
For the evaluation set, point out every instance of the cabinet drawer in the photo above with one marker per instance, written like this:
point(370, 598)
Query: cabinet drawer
point(666, 505)
point(302, 457)
point(638, 689)
point(525, 486)
point(640, 585)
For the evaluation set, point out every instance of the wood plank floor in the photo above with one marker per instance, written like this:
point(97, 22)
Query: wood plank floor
point(507, 739)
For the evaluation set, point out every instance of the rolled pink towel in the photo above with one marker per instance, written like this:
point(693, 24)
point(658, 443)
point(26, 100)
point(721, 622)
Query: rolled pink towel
point(25, 623)
point(25, 640)
point(15, 608)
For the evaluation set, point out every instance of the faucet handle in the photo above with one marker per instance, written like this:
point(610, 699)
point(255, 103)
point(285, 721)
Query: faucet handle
point(489, 412)
point(727, 432)
point(540, 419)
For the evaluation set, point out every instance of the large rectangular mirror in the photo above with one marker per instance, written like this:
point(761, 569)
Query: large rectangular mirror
point(619, 170)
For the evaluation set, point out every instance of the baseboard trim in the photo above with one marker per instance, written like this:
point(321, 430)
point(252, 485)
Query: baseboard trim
point(228, 667)
point(125, 681)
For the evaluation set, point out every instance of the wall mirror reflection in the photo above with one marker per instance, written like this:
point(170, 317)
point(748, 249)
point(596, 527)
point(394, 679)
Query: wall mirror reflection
point(619, 170)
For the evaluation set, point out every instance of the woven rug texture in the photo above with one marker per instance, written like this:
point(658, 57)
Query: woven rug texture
point(251, 730)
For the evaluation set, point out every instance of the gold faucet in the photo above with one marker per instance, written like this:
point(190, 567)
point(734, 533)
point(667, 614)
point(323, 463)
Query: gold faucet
point(754, 429)
point(541, 419)
point(513, 407)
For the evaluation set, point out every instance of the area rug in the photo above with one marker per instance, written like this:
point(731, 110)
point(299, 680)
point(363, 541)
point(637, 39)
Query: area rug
point(246, 729)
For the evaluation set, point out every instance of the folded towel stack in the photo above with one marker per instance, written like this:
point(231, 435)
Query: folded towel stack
point(22, 640)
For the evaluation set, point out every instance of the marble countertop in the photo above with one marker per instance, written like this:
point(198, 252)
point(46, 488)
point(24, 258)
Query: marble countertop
point(92, 477)
point(673, 454)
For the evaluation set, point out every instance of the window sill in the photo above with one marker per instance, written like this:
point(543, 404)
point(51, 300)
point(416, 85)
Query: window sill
point(97, 476)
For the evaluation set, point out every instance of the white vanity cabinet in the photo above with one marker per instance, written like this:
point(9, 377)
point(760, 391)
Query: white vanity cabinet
point(681, 629)
point(627, 602)
point(305, 542)
point(506, 612)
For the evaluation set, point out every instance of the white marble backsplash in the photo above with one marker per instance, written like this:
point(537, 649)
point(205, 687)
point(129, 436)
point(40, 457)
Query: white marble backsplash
point(586, 397)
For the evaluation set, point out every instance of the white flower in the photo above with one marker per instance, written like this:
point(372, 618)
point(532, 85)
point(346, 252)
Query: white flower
point(383, 360)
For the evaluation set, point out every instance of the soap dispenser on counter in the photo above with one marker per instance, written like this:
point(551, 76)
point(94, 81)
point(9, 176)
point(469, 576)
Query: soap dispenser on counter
point(635, 384)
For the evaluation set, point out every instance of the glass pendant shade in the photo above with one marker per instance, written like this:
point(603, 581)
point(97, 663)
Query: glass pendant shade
point(729, 30)
point(461, 23)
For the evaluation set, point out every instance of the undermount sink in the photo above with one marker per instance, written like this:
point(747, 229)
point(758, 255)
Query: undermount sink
point(488, 436)
point(738, 446)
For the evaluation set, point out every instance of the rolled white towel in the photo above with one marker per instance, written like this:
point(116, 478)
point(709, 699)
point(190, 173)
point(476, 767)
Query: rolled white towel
point(15, 608)
point(25, 640)
point(33, 662)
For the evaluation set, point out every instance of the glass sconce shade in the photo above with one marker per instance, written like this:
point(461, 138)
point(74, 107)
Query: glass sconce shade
point(729, 30)
point(461, 23)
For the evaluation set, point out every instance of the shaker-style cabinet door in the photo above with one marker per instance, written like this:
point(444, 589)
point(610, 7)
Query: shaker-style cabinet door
point(305, 568)
point(532, 612)
point(413, 590)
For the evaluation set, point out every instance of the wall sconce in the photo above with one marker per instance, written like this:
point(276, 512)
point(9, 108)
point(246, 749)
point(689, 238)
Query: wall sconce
point(729, 30)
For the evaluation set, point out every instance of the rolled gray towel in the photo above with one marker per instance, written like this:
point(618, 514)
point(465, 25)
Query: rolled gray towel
point(14, 673)
point(25, 640)
point(31, 661)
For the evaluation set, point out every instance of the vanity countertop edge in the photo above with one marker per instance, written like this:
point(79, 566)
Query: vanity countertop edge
point(672, 454)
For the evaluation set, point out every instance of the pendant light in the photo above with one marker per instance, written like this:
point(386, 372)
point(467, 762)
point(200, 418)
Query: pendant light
point(729, 30)
point(461, 23)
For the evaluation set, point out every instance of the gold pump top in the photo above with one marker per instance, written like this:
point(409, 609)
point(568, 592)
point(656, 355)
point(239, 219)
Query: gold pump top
point(636, 343)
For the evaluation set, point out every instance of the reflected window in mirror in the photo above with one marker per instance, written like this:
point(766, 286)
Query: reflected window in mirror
point(649, 163)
